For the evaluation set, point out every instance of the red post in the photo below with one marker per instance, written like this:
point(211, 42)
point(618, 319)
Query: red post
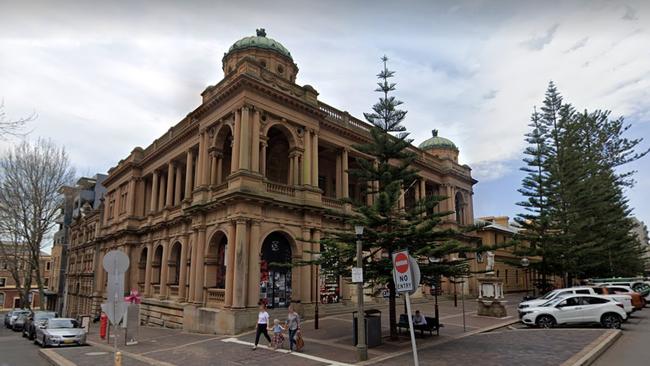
point(103, 324)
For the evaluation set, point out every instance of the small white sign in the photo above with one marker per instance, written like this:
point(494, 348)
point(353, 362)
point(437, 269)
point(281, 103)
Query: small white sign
point(357, 275)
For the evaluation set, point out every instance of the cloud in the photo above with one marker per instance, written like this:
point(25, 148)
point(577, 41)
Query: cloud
point(537, 42)
point(630, 13)
point(581, 43)
point(490, 94)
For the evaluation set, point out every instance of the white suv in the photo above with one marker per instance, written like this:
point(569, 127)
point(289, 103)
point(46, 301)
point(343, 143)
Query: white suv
point(576, 309)
point(626, 300)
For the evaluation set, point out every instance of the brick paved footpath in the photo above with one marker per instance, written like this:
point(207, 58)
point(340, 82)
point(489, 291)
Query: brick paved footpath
point(332, 345)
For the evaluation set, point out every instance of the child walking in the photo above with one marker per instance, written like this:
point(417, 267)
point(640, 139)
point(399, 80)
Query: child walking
point(278, 337)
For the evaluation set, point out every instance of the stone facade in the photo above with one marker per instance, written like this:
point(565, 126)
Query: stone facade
point(250, 180)
point(9, 294)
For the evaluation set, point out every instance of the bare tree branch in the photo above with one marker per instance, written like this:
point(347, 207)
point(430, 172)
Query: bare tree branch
point(15, 128)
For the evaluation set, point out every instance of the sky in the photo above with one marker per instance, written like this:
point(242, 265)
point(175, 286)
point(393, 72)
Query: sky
point(103, 77)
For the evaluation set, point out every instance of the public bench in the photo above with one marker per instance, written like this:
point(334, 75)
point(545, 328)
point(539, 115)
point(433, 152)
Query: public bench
point(432, 324)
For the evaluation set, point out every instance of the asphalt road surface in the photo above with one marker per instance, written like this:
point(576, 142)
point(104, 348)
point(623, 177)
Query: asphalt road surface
point(631, 349)
point(16, 350)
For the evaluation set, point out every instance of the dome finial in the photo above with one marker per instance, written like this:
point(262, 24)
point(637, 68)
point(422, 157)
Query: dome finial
point(261, 32)
point(434, 133)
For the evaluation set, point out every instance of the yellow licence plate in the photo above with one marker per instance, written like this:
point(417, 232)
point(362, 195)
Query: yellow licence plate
point(66, 341)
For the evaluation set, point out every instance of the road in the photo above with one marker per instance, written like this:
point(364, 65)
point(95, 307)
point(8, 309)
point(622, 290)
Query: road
point(16, 350)
point(631, 349)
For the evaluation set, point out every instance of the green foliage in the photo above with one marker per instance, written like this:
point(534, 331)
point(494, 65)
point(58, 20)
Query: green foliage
point(576, 216)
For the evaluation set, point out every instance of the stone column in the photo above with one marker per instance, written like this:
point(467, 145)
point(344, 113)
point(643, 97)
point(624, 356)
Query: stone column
point(316, 269)
point(401, 204)
point(423, 188)
point(200, 271)
point(305, 271)
point(201, 160)
point(344, 174)
point(154, 192)
point(161, 192)
point(263, 158)
point(219, 167)
point(148, 270)
point(245, 139)
point(213, 169)
point(189, 178)
point(292, 168)
point(192, 275)
point(130, 206)
point(470, 209)
point(254, 265)
point(164, 269)
point(230, 263)
point(182, 278)
point(314, 160)
point(241, 265)
point(234, 162)
point(306, 160)
point(169, 201)
point(339, 176)
point(255, 142)
point(177, 189)
point(296, 169)
point(99, 285)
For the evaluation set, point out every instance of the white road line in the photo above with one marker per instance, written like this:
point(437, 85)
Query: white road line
point(303, 355)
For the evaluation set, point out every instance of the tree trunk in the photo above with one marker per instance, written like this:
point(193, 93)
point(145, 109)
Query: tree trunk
point(392, 310)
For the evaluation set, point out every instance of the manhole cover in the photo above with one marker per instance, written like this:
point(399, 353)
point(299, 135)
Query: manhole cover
point(96, 353)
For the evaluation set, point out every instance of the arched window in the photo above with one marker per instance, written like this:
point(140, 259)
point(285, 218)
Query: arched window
point(174, 264)
point(215, 262)
point(277, 156)
point(142, 266)
point(155, 265)
point(460, 209)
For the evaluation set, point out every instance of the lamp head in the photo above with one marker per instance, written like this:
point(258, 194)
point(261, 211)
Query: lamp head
point(358, 229)
point(525, 262)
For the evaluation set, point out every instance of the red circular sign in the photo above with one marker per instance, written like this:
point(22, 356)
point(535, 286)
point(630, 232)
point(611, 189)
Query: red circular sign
point(401, 263)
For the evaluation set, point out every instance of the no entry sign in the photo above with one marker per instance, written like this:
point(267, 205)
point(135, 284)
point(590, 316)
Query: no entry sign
point(403, 277)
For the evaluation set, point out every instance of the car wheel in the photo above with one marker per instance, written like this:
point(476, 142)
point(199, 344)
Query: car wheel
point(612, 321)
point(545, 321)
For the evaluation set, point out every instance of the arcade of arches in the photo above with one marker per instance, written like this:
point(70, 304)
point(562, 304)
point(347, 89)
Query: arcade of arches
point(214, 212)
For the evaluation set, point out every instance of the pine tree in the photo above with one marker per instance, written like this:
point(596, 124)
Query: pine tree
point(387, 226)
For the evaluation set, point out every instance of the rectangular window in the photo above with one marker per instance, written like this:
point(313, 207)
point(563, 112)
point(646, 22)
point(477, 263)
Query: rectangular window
point(506, 276)
point(47, 266)
point(3, 282)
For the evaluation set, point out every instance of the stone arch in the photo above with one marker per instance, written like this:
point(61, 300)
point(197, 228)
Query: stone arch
point(142, 266)
point(276, 277)
point(280, 144)
point(156, 264)
point(459, 205)
point(215, 260)
point(222, 144)
point(289, 132)
point(174, 263)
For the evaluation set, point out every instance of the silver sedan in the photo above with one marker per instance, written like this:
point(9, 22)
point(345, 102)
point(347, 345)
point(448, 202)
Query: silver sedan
point(60, 332)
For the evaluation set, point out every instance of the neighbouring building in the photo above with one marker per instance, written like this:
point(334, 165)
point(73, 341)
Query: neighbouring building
point(212, 212)
point(641, 232)
point(9, 294)
point(80, 200)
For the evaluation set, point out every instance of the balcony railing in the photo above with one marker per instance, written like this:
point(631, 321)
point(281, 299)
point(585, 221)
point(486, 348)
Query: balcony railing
point(332, 203)
point(216, 296)
point(280, 189)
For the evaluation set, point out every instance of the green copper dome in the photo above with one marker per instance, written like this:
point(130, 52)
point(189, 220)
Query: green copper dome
point(262, 42)
point(437, 142)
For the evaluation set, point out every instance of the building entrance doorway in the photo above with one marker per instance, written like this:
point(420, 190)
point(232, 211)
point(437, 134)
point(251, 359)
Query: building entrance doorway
point(275, 271)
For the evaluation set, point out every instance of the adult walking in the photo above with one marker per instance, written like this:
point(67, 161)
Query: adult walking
point(262, 324)
point(293, 325)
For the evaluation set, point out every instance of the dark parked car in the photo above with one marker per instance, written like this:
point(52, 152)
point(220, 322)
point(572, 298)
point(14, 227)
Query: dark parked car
point(34, 320)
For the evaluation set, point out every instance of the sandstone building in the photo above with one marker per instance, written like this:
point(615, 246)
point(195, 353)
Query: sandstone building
point(211, 212)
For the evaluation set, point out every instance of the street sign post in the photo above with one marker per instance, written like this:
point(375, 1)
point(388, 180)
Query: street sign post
point(406, 275)
point(115, 263)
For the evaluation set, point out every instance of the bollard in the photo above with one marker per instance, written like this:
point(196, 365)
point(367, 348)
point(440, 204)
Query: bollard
point(118, 358)
point(103, 324)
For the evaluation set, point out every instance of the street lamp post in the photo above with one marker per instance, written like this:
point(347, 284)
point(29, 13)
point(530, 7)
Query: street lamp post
point(362, 349)
point(525, 262)
point(316, 257)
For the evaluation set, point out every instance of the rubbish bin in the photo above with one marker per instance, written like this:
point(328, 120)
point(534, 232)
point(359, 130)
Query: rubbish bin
point(372, 321)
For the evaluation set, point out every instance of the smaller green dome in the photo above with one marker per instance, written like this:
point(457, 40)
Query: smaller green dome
point(437, 142)
point(260, 41)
